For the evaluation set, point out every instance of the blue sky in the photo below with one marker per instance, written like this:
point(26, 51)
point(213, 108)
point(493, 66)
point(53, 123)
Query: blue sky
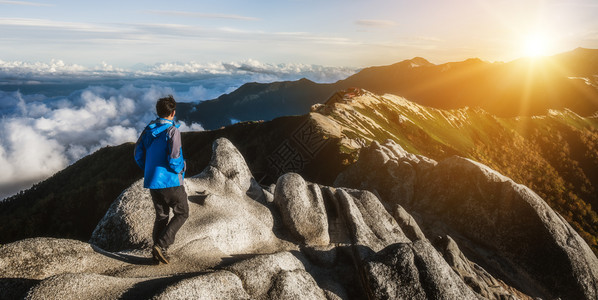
point(333, 33)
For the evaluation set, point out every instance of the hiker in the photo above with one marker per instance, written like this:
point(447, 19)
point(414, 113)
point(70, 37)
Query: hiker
point(159, 154)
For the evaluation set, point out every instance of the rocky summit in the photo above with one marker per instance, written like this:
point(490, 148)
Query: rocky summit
point(393, 226)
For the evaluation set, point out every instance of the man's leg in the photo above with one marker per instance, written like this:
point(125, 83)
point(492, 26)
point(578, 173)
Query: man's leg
point(162, 213)
point(177, 199)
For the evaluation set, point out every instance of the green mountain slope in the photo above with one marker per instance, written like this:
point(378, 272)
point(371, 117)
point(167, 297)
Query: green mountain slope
point(555, 155)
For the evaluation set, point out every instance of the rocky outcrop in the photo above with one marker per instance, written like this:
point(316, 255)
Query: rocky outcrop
point(502, 226)
point(215, 285)
point(512, 223)
point(82, 286)
point(47, 261)
point(127, 224)
point(396, 226)
point(223, 217)
point(278, 276)
point(413, 271)
point(302, 209)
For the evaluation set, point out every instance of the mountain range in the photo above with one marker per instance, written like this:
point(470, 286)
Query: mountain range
point(524, 87)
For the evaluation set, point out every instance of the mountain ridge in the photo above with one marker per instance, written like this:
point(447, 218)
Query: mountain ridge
point(268, 100)
point(522, 87)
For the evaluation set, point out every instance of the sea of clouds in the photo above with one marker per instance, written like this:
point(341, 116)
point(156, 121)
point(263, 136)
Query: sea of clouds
point(53, 114)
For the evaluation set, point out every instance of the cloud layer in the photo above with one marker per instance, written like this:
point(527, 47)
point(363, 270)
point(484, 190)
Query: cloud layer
point(39, 138)
point(244, 70)
point(52, 114)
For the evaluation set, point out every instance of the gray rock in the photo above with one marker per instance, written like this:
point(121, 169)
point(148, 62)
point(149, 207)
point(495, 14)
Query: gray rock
point(536, 245)
point(229, 222)
point(256, 192)
point(395, 151)
point(480, 281)
point(338, 229)
point(369, 223)
point(227, 172)
point(269, 196)
point(395, 267)
point(325, 256)
point(271, 188)
point(269, 193)
point(393, 170)
point(222, 217)
point(39, 258)
point(505, 227)
point(296, 284)
point(413, 271)
point(408, 224)
point(215, 285)
point(335, 291)
point(258, 273)
point(82, 286)
point(302, 209)
point(227, 159)
point(128, 222)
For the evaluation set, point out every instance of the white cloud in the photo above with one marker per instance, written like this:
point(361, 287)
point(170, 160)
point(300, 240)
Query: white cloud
point(24, 3)
point(194, 127)
point(201, 15)
point(26, 155)
point(35, 72)
point(116, 135)
point(126, 42)
point(55, 67)
point(76, 152)
point(66, 129)
point(73, 26)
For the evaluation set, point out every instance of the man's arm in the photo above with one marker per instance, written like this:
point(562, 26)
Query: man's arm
point(175, 158)
point(140, 151)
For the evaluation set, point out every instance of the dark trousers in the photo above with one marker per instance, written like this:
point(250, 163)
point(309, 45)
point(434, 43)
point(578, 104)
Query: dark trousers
point(164, 199)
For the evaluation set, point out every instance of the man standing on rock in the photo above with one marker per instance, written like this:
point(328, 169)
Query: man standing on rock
point(158, 152)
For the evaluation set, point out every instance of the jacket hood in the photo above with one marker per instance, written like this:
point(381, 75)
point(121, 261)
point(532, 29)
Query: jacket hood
point(157, 126)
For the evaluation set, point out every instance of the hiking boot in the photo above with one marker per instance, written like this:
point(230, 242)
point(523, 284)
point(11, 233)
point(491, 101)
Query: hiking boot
point(159, 254)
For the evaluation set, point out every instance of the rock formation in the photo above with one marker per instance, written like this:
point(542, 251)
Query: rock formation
point(503, 226)
point(394, 226)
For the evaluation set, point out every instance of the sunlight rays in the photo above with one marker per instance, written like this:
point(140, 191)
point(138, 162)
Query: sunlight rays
point(536, 45)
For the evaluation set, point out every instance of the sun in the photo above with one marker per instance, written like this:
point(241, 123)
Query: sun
point(536, 45)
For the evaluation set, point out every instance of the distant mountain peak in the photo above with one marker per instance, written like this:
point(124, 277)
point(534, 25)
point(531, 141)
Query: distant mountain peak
point(413, 63)
point(420, 61)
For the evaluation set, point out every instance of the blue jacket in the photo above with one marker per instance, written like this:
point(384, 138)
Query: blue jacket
point(158, 152)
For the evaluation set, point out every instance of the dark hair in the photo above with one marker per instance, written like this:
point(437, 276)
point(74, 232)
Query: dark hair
point(165, 106)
